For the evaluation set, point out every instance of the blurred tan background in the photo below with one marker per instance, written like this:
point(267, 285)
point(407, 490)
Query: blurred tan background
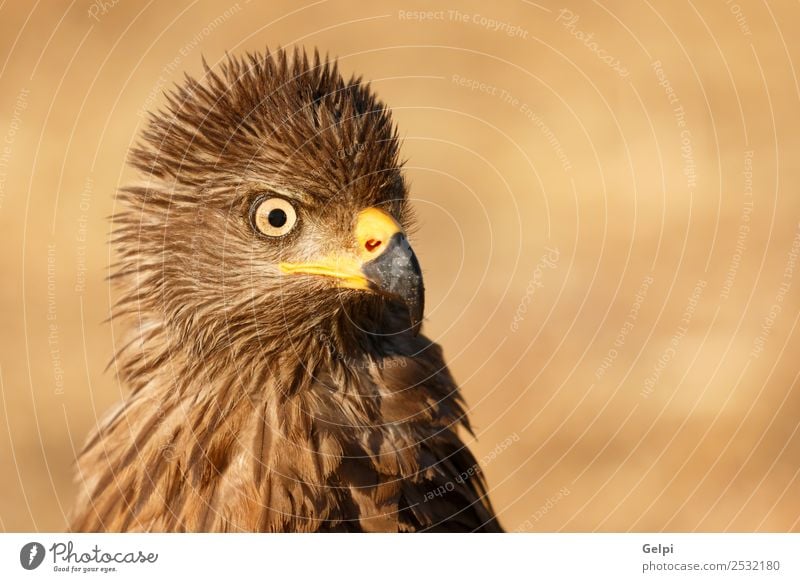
point(609, 201)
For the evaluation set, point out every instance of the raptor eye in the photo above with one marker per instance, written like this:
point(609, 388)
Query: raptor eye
point(274, 216)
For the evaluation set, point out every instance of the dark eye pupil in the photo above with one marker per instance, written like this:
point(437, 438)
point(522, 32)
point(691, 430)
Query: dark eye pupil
point(276, 217)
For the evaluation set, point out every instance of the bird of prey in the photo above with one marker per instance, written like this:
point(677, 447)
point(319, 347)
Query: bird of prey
point(277, 378)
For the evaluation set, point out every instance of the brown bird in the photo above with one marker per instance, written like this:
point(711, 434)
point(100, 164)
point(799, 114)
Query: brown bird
point(277, 378)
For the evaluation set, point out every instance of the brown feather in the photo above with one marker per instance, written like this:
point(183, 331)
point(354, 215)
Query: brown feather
point(260, 402)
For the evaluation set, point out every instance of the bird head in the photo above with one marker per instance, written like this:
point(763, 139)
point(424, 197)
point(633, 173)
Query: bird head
point(273, 196)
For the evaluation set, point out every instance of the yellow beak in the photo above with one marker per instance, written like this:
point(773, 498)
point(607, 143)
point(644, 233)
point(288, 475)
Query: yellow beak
point(384, 262)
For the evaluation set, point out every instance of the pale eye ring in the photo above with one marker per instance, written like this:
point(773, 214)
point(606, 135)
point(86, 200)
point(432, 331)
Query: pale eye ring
point(274, 216)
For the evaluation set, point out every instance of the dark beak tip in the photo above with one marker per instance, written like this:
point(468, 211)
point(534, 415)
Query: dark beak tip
point(396, 273)
point(415, 315)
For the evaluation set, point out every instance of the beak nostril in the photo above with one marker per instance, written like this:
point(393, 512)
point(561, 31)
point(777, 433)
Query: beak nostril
point(372, 244)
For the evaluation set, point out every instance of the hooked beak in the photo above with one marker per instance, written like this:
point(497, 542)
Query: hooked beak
point(384, 263)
